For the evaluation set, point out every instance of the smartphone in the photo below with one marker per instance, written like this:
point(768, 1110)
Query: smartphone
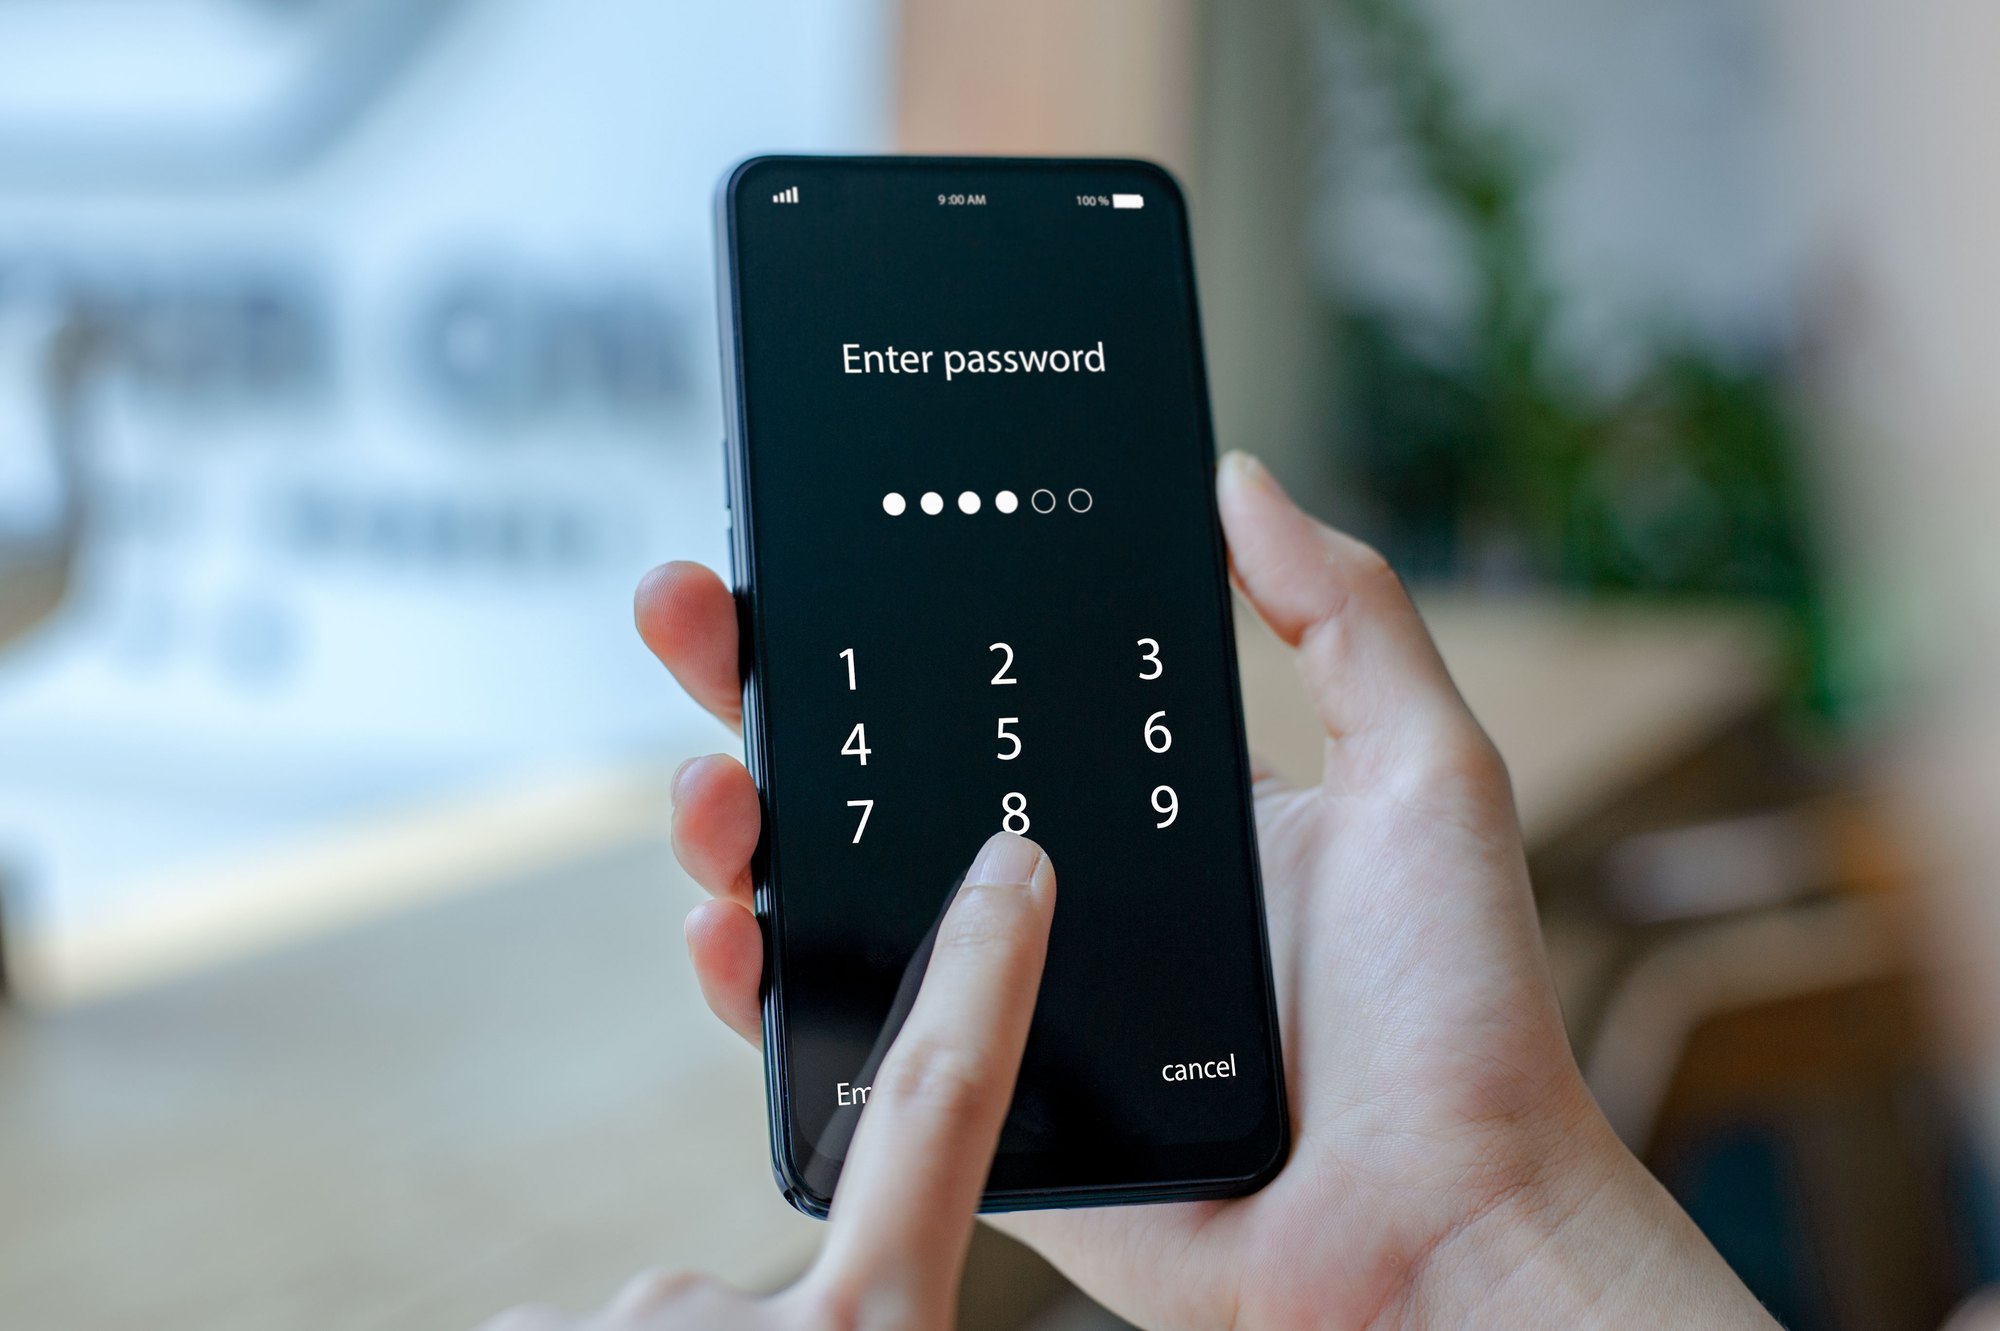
point(982, 585)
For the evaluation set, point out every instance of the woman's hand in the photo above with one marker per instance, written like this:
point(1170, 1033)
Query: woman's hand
point(902, 1213)
point(1449, 1166)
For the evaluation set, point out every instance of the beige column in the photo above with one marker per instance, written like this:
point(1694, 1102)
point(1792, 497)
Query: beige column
point(1897, 107)
point(1220, 91)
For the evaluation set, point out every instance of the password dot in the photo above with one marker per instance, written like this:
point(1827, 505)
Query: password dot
point(933, 502)
point(893, 504)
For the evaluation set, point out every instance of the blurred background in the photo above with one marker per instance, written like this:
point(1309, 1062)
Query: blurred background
point(356, 356)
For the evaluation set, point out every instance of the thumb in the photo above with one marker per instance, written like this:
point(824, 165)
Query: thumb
point(1367, 659)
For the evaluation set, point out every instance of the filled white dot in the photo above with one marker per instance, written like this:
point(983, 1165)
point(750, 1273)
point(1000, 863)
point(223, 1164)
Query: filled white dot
point(968, 502)
point(893, 504)
point(933, 502)
point(1006, 501)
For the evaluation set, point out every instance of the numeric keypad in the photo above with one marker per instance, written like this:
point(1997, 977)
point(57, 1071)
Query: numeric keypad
point(1010, 733)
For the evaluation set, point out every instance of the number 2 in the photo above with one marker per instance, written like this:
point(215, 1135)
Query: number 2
point(867, 807)
point(1151, 656)
point(1001, 676)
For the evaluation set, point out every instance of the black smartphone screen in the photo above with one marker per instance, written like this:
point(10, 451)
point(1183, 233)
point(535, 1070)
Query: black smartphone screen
point(984, 587)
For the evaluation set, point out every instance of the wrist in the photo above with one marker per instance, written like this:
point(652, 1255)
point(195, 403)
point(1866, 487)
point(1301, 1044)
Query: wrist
point(1578, 1235)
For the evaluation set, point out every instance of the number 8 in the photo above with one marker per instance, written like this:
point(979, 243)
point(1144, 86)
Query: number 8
point(1014, 805)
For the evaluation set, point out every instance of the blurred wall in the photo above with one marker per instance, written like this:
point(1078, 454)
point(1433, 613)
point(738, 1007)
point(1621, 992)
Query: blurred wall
point(403, 370)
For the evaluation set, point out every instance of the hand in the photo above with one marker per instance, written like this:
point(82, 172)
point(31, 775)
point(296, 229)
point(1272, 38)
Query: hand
point(902, 1213)
point(1449, 1165)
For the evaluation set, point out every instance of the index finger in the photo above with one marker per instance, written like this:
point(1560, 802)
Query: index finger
point(688, 617)
point(903, 1211)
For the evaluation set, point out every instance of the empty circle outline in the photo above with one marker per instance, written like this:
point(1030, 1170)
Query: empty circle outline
point(1035, 500)
point(1084, 507)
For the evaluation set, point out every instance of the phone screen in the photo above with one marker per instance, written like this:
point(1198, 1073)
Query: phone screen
point(984, 588)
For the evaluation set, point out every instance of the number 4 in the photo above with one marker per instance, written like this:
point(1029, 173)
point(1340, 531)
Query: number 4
point(867, 807)
point(857, 744)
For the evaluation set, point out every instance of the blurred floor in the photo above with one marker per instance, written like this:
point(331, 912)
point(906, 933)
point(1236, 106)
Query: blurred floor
point(512, 1096)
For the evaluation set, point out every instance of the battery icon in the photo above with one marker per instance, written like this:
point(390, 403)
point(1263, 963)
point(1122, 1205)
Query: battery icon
point(1128, 201)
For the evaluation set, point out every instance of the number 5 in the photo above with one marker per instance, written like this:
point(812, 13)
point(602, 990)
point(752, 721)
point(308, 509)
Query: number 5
point(1009, 735)
point(867, 807)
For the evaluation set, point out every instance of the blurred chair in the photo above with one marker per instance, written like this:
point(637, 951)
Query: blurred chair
point(1761, 1042)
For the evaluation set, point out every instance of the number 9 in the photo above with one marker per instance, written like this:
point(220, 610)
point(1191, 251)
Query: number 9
point(1171, 807)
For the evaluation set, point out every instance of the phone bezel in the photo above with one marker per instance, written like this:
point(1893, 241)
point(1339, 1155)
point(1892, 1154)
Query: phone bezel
point(742, 549)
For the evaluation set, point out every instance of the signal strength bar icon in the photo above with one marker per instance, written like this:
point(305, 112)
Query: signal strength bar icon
point(786, 195)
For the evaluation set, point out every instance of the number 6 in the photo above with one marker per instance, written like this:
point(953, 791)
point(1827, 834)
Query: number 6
point(1158, 738)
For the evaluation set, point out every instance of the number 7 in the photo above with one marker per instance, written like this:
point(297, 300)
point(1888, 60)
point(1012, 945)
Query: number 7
point(867, 807)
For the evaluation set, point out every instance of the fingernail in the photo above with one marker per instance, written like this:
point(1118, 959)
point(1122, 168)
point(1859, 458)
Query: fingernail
point(674, 783)
point(1005, 858)
point(1243, 469)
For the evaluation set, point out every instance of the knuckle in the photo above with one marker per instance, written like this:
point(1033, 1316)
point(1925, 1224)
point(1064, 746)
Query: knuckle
point(829, 1305)
point(984, 918)
point(828, 1301)
point(656, 1290)
point(1466, 763)
point(1369, 567)
point(932, 1075)
point(528, 1317)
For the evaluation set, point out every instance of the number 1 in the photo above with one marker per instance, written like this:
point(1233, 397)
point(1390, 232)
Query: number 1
point(867, 807)
point(848, 656)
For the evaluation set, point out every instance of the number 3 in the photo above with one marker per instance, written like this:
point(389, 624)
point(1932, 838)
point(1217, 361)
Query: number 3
point(1151, 657)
